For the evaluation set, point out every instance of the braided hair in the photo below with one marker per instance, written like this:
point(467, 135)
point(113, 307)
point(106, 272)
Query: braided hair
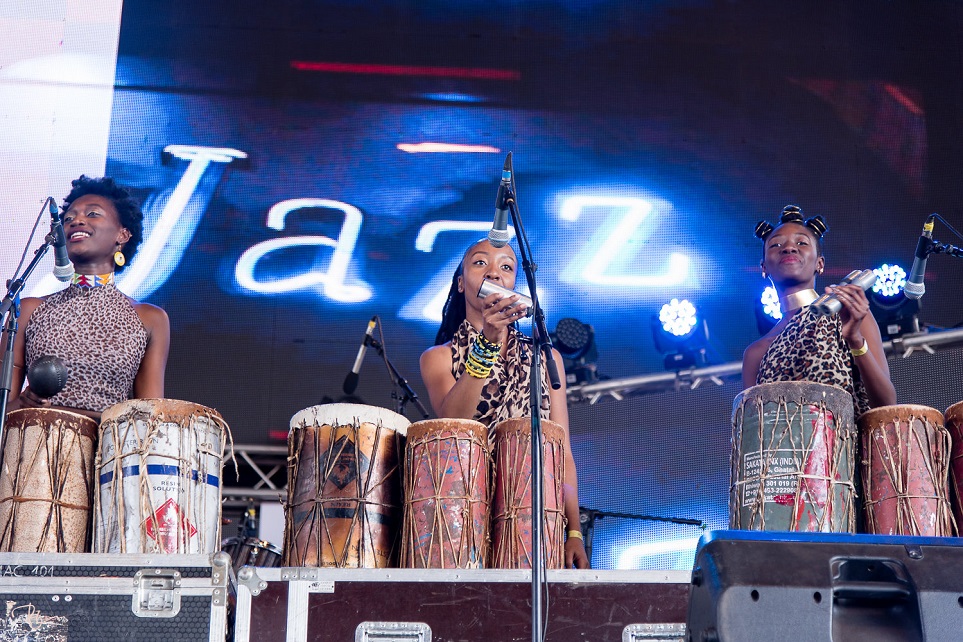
point(793, 214)
point(454, 311)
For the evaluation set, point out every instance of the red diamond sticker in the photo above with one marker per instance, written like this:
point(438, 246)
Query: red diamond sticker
point(166, 524)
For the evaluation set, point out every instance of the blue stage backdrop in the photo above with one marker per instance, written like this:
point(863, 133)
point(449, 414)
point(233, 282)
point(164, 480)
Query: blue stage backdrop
point(307, 165)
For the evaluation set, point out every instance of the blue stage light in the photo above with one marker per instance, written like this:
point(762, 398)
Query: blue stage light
point(890, 280)
point(680, 335)
point(896, 315)
point(678, 318)
point(770, 303)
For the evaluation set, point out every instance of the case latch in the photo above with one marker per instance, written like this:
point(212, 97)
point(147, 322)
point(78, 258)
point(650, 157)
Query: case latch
point(157, 593)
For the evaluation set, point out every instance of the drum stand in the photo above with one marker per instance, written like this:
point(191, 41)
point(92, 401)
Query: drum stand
point(399, 381)
point(10, 309)
point(540, 342)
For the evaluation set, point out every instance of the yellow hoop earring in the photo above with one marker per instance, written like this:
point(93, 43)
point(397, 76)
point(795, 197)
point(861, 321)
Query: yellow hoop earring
point(119, 258)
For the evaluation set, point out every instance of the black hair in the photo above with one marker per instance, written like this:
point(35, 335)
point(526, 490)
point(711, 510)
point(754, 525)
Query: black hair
point(793, 214)
point(128, 209)
point(454, 311)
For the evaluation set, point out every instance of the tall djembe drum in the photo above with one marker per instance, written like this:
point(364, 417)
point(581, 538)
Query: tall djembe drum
point(158, 466)
point(954, 425)
point(906, 460)
point(793, 459)
point(46, 483)
point(344, 487)
point(512, 519)
point(447, 495)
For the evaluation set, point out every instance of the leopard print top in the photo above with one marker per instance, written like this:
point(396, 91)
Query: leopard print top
point(97, 333)
point(507, 395)
point(812, 348)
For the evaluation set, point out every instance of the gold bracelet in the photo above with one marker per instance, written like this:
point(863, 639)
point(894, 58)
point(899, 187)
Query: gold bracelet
point(861, 350)
point(575, 534)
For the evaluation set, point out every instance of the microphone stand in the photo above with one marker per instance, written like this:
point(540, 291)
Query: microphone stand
point(540, 342)
point(399, 381)
point(10, 308)
point(588, 516)
point(935, 247)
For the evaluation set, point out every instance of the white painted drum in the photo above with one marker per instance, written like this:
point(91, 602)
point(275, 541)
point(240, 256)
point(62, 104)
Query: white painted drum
point(158, 471)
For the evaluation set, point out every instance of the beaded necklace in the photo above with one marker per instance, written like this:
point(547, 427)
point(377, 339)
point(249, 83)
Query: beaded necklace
point(92, 280)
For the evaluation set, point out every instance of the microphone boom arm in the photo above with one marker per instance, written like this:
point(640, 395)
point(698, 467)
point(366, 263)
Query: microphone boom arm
point(935, 247)
point(401, 382)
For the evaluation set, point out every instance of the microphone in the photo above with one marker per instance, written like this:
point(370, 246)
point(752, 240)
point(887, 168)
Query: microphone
point(499, 235)
point(914, 287)
point(47, 376)
point(351, 381)
point(63, 268)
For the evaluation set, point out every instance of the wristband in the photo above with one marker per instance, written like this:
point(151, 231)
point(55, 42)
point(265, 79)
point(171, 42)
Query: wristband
point(575, 534)
point(861, 350)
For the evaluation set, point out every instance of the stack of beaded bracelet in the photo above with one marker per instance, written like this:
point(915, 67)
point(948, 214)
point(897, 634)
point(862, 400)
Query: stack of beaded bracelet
point(482, 357)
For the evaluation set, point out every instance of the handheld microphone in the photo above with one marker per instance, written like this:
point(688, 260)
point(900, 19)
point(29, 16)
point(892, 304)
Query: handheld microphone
point(351, 381)
point(499, 235)
point(914, 287)
point(63, 268)
point(828, 304)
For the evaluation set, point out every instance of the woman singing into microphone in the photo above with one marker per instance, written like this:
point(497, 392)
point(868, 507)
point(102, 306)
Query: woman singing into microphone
point(114, 347)
point(461, 385)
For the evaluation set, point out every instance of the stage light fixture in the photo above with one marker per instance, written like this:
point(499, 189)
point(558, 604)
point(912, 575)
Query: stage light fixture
point(890, 280)
point(575, 341)
point(680, 334)
point(895, 314)
point(767, 309)
point(678, 317)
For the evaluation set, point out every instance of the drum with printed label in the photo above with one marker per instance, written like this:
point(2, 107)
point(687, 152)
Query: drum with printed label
point(46, 485)
point(793, 456)
point(344, 487)
point(159, 471)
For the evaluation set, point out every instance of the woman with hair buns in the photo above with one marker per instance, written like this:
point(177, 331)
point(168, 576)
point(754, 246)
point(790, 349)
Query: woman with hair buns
point(479, 368)
point(114, 347)
point(843, 349)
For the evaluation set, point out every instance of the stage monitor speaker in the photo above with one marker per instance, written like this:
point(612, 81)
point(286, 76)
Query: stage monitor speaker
point(801, 587)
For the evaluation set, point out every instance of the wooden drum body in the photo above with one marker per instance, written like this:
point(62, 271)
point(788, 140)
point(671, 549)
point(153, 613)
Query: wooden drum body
point(512, 502)
point(344, 487)
point(954, 424)
point(793, 451)
point(906, 454)
point(446, 495)
point(46, 484)
point(159, 467)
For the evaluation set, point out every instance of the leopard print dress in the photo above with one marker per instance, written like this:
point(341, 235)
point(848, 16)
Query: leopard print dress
point(812, 348)
point(507, 395)
point(97, 333)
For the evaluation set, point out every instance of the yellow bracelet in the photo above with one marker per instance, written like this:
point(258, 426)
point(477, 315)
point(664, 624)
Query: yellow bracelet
point(575, 534)
point(861, 350)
